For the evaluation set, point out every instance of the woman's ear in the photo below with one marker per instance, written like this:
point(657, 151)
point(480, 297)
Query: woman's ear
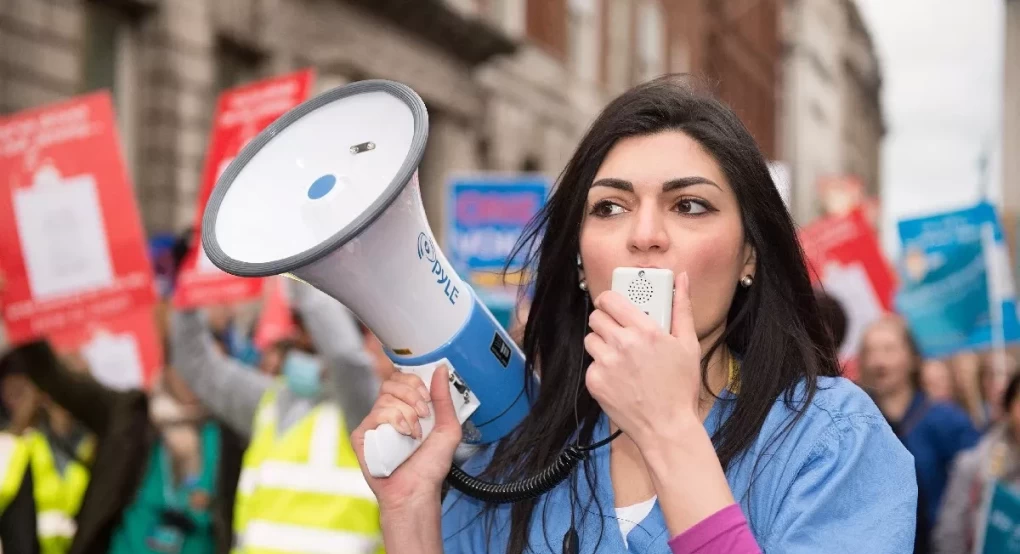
point(750, 261)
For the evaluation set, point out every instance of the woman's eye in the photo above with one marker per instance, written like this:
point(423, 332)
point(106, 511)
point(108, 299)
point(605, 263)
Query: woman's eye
point(691, 207)
point(605, 208)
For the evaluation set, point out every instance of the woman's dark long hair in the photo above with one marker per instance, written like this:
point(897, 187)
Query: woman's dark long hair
point(774, 325)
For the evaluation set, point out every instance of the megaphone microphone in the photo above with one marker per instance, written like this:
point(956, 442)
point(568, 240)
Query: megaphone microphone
point(328, 194)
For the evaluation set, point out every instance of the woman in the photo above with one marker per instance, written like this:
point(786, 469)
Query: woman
point(995, 458)
point(738, 412)
point(934, 432)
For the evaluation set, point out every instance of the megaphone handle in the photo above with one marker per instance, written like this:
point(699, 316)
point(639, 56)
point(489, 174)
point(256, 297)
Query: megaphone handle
point(386, 448)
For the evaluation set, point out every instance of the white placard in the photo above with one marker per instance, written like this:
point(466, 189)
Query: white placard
point(114, 360)
point(63, 239)
point(849, 284)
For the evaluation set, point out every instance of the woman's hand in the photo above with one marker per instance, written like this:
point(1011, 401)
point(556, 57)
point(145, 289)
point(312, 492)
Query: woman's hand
point(644, 378)
point(649, 383)
point(402, 401)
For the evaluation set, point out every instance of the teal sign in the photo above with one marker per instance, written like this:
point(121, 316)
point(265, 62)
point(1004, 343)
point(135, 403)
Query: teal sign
point(1002, 528)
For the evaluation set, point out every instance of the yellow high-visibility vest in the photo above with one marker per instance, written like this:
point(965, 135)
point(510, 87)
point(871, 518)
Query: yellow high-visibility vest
point(14, 456)
point(58, 496)
point(303, 490)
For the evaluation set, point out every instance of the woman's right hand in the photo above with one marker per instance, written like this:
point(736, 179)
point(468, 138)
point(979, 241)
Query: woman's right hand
point(418, 481)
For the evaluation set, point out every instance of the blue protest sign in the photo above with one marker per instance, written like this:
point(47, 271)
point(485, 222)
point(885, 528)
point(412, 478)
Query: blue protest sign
point(957, 289)
point(486, 215)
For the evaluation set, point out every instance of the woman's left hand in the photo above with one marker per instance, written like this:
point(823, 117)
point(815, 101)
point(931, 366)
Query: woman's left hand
point(645, 379)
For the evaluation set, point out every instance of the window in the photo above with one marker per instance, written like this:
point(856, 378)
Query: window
point(546, 22)
point(619, 48)
point(111, 63)
point(583, 29)
point(236, 65)
point(651, 45)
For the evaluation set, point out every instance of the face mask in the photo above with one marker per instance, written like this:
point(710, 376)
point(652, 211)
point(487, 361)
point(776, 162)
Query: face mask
point(302, 373)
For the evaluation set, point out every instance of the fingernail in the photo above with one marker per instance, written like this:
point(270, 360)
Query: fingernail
point(417, 431)
point(424, 393)
point(403, 427)
point(423, 409)
point(685, 279)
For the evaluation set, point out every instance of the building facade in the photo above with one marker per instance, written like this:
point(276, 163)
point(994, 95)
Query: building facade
point(832, 120)
point(510, 85)
point(1011, 133)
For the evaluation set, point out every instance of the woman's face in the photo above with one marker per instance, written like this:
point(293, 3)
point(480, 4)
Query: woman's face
point(937, 380)
point(1014, 413)
point(886, 360)
point(662, 201)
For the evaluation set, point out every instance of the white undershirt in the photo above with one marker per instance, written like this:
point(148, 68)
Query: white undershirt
point(630, 516)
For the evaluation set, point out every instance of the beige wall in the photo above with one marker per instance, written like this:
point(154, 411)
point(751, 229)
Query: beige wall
point(1011, 114)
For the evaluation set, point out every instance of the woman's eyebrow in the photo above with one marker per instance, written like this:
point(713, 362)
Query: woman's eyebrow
point(672, 184)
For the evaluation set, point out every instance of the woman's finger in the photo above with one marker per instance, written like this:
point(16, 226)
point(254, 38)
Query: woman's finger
point(413, 381)
point(604, 326)
point(411, 427)
point(596, 346)
point(406, 392)
point(624, 312)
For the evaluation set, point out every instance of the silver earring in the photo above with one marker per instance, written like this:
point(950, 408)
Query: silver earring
point(583, 285)
point(579, 260)
point(747, 281)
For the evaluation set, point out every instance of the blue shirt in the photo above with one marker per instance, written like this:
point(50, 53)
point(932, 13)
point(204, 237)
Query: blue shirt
point(838, 481)
point(935, 432)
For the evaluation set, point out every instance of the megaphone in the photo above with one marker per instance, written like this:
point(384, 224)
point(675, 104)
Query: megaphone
point(329, 194)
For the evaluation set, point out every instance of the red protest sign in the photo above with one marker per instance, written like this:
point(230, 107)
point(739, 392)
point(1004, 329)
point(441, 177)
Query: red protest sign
point(275, 321)
point(71, 239)
point(123, 352)
point(241, 113)
point(844, 257)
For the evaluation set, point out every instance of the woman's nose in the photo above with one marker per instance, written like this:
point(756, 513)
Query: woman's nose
point(649, 231)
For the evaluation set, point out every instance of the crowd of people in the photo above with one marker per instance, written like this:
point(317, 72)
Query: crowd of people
point(959, 418)
point(231, 449)
point(238, 450)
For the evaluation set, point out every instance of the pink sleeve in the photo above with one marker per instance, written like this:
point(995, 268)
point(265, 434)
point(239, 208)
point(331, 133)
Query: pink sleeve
point(724, 532)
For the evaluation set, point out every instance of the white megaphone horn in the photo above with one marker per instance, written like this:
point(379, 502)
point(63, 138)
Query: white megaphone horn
point(329, 194)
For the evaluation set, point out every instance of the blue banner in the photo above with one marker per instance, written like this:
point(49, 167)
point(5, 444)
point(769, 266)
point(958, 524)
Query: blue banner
point(955, 270)
point(486, 215)
point(1002, 522)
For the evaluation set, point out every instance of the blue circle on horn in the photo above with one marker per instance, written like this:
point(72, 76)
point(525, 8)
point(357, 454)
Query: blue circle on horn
point(321, 186)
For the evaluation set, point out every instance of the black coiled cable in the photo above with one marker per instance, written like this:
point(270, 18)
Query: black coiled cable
point(537, 485)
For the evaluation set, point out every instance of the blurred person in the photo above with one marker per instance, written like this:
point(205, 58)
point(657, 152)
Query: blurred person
point(20, 399)
point(995, 458)
point(155, 467)
point(17, 502)
point(61, 455)
point(731, 433)
point(966, 370)
point(834, 317)
point(292, 490)
point(381, 363)
point(937, 381)
point(934, 432)
point(997, 368)
point(271, 360)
